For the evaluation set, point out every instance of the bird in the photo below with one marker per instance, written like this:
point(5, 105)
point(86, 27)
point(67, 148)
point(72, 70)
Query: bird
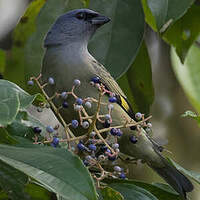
point(67, 58)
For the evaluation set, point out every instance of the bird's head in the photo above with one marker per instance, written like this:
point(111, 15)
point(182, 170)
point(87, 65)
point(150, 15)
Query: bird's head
point(76, 25)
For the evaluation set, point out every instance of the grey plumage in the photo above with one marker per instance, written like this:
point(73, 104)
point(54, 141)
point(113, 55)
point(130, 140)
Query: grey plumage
point(67, 58)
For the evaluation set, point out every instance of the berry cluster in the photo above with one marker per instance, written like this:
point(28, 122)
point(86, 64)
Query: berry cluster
point(97, 146)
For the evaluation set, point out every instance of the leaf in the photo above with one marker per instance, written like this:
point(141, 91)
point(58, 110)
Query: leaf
point(191, 115)
point(132, 192)
point(5, 138)
point(12, 181)
point(23, 125)
point(2, 61)
point(138, 85)
point(156, 190)
point(58, 169)
point(167, 11)
point(111, 194)
point(37, 192)
point(188, 74)
point(34, 47)
point(194, 175)
point(122, 34)
point(166, 187)
point(184, 32)
point(12, 99)
point(15, 63)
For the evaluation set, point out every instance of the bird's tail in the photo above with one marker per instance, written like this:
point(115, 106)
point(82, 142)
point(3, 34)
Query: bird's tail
point(175, 178)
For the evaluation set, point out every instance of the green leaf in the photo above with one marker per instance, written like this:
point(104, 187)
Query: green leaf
point(168, 11)
point(5, 138)
point(188, 74)
point(12, 181)
point(166, 188)
point(34, 47)
point(12, 99)
point(184, 32)
point(194, 175)
point(149, 18)
point(22, 126)
point(137, 82)
point(110, 194)
point(37, 192)
point(132, 192)
point(57, 169)
point(191, 115)
point(15, 63)
point(122, 34)
point(2, 61)
point(157, 191)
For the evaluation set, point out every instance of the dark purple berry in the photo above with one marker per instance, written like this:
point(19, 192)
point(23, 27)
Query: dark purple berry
point(112, 99)
point(122, 175)
point(37, 130)
point(75, 123)
point(138, 115)
point(113, 131)
point(80, 146)
point(112, 157)
point(49, 129)
point(133, 128)
point(92, 147)
point(85, 162)
point(95, 79)
point(77, 82)
point(119, 132)
point(133, 139)
point(79, 101)
point(65, 104)
point(106, 124)
point(55, 142)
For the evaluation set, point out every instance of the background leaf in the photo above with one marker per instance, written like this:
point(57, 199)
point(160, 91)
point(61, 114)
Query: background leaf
point(167, 10)
point(58, 169)
point(13, 182)
point(194, 175)
point(188, 74)
point(117, 43)
point(137, 82)
point(111, 194)
point(5, 138)
point(156, 190)
point(184, 32)
point(132, 192)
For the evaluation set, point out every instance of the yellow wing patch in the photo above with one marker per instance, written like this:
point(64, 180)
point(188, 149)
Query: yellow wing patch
point(124, 104)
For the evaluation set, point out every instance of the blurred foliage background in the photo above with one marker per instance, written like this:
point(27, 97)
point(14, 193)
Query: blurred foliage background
point(151, 47)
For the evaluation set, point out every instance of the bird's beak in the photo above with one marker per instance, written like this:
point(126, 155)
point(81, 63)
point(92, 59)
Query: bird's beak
point(100, 20)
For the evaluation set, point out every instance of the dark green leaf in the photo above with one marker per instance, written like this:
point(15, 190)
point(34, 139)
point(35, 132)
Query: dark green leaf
point(139, 86)
point(166, 188)
point(194, 175)
point(184, 32)
point(57, 169)
point(132, 192)
point(5, 138)
point(12, 181)
point(23, 125)
point(37, 192)
point(34, 47)
point(12, 98)
point(123, 34)
point(156, 190)
point(110, 194)
point(188, 74)
point(2, 61)
point(167, 11)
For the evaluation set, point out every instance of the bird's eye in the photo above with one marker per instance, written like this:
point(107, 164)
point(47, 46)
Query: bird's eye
point(80, 15)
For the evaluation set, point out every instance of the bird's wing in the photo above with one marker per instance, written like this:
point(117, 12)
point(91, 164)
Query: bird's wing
point(108, 81)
